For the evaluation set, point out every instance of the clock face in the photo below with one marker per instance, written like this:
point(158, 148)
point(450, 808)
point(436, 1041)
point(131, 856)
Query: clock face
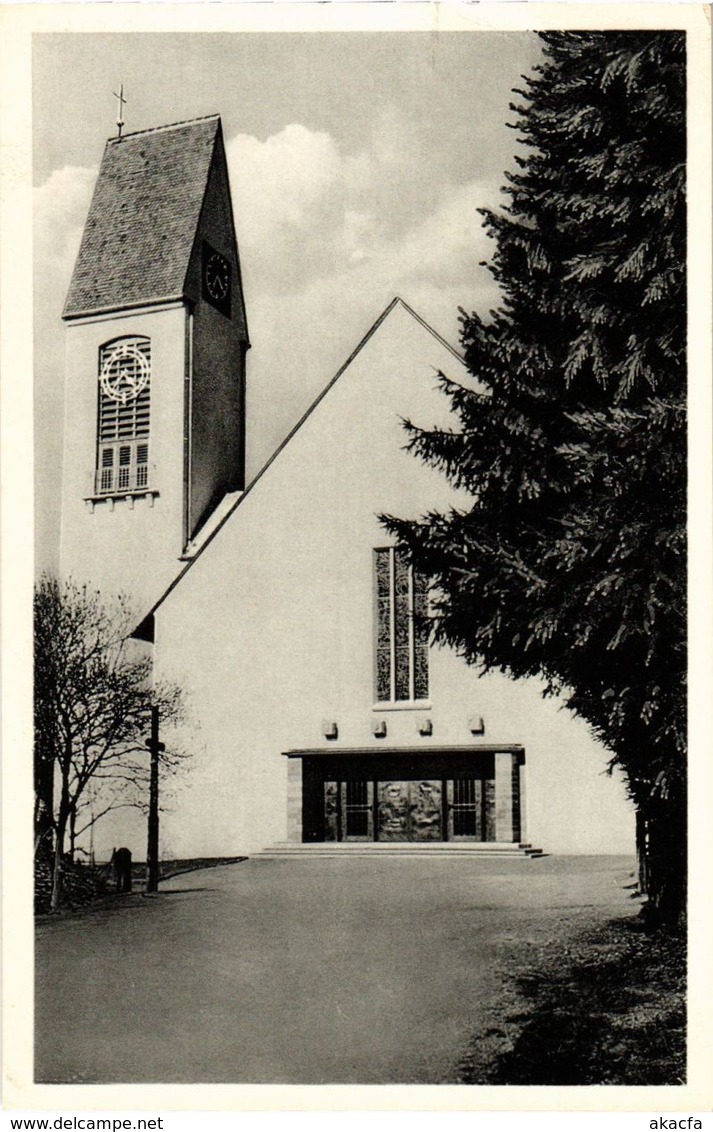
point(125, 373)
point(216, 279)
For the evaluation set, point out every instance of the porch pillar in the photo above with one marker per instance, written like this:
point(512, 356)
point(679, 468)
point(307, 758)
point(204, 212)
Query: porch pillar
point(522, 785)
point(507, 800)
point(294, 800)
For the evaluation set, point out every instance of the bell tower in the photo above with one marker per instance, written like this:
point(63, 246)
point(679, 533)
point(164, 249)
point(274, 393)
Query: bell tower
point(156, 340)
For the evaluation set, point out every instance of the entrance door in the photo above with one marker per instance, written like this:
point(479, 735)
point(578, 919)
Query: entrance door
point(471, 809)
point(418, 809)
point(358, 810)
point(410, 811)
point(349, 810)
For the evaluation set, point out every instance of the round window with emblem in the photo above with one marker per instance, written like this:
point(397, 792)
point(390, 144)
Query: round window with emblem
point(125, 372)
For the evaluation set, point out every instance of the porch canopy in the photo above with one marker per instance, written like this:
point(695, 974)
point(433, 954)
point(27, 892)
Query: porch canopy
point(443, 793)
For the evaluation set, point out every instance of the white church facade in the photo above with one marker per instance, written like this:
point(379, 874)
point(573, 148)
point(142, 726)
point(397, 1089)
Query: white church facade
point(296, 628)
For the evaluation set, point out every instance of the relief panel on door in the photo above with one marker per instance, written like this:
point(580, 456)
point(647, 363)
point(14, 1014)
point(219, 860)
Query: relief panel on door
point(489, 809)
point(410, 811)
point(393, 811)
point(332, 831)
point(426, 814)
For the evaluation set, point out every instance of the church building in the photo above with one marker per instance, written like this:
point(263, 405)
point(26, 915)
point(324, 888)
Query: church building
point(327, 722)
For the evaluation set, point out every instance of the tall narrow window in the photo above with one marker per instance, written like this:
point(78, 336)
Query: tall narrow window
point(401, 629)
point(124, 416)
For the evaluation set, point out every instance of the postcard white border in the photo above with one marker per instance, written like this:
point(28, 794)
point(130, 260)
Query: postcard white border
point(17, 25)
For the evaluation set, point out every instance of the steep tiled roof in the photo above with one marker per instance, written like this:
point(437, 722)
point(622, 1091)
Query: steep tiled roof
point(143, 217)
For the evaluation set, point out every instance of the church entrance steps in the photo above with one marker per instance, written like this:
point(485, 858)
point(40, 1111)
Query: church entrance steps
point(439, 849)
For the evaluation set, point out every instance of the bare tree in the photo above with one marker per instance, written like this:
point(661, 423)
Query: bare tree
point(93, 695)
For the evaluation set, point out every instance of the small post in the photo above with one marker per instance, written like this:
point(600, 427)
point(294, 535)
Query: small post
point(155, 747)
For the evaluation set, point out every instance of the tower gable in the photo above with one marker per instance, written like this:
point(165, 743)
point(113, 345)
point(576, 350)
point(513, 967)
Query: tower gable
point(216, 230)
point(215, 461)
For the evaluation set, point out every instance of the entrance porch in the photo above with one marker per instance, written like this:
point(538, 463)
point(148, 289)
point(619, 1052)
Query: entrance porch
point(457, 795)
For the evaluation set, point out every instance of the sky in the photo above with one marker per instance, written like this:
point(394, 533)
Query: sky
point(357, 163)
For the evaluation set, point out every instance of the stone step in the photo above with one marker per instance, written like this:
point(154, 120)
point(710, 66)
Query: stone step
point(451, 855)
point(287, 849)
point(404, 846)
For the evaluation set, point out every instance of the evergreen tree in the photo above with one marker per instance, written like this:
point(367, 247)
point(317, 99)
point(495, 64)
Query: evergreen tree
point(570, 561)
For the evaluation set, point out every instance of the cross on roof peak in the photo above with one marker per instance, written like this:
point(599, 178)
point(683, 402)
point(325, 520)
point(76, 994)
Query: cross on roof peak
point(120, 108)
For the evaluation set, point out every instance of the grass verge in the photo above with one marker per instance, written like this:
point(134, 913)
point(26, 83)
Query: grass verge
point(609, 1009)
point(91, 886)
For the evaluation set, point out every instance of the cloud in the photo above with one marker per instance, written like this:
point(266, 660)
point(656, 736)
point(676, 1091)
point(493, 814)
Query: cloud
point(277, 183)
point(60, 209)
point(326, 241)
point(305, 211)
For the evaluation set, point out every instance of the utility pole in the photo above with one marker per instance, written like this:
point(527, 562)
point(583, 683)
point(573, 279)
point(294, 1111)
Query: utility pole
point(155, 747)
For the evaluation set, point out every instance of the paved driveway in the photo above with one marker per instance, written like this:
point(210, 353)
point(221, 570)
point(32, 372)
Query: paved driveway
point(368, 971)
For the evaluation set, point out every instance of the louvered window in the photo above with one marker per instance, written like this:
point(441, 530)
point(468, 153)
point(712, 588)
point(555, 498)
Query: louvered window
point(124, 416)
point(401, 628)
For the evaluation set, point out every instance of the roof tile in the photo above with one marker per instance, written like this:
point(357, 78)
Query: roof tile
point(143, 218)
